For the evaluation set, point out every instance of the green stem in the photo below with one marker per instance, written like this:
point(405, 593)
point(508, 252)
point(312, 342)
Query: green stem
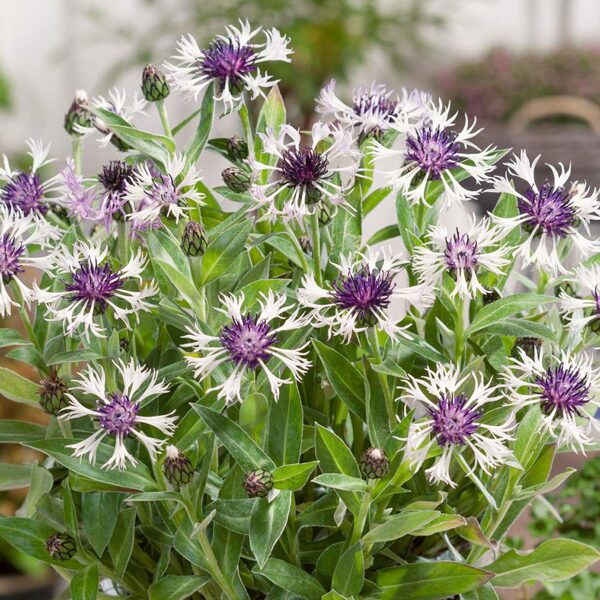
point(123, 243)
point(214, 567)
point(376, 353)
point(297, 247)
point(245, 118)
point(459, 330)
point(164, 119)
point(25, 316)
point(77, 151)
point(316, 247)
point(421, 216)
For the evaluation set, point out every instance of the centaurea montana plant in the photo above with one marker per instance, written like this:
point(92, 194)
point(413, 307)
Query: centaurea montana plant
point(246, 397)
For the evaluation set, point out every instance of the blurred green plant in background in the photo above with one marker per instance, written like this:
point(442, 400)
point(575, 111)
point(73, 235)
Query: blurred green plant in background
point(5, 95)
point(330, 37)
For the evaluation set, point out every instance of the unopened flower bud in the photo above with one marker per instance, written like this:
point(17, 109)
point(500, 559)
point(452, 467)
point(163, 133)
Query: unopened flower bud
point(313, 195)
point(237, 180)
point(177, 467)
point(53, 393)
point(237, 148)
point(305, 245)
point(155, 86)
point(374, 464)
point(324, 214)
point(258, 483)
point(193, 240)
point(61, 546)
point(529, 345)
point(491, 296)
point(78, 114)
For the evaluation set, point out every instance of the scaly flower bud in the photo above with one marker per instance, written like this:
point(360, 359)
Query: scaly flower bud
point(324, 214)
point(154, 84)
point(258, 483)
point(237, 148)
point(491, 296)
point(193, 240)
point(237, 180)
point(52, 393)
point(177, 467)
point(78, 114)
point(374, 464)
point(305, 245)
point(61, 546)
point(529, 345)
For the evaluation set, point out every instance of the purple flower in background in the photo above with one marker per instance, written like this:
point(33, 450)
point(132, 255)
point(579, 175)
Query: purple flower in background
point(117, 412)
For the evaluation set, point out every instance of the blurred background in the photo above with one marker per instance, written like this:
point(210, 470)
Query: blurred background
point(528, 69)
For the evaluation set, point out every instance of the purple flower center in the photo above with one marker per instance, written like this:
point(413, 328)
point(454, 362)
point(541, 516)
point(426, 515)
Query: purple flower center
point(461, 253)
point(114, 178)
point(368, 103)
point(94, 285)
point(228, 62)
point(119, 415)
point(596, 295)
point(248, 341)
point(433, 151)
point(364, 292)
point(163, 191)
point(452, 422)
point(10, 253)
point(303, 167)
point(550, 210)
point(25, 192)
point(564, 390)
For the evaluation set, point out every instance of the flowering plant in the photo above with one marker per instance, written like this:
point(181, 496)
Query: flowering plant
point(257, 402)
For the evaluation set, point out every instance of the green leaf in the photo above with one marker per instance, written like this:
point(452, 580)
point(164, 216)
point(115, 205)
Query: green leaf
point(135, 477)
point(337, 481)
point(84, 585)
point(335, 457)
point(121, 543)
point(100, 511)
point(223, 250)
point(553, 560)
point(285, 426)
point(11, 337)
point(30, 537)
point(521, 328)
point(439, 524)
point(406, 221)
point(74, 356)
point(400, 525)
point(293, 477)
point(40, 484)
point(128, 133)
point(485, 592)
point(382, 235)
point(344, 377)
point(429, 580)
point(244, 450)
point(349, 574)
point(13, 477)
point(17, 388)
point(290, 578)
point(267, 522)
point(205, 123)
point(506, 307)
point(177, 587)
point(20, 431)
point(375, 198)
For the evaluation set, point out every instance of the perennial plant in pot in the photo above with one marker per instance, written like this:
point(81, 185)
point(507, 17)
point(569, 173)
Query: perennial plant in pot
point(251, 400)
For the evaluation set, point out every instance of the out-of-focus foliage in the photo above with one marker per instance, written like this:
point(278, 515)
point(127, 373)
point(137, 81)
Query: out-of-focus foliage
point(495, 86)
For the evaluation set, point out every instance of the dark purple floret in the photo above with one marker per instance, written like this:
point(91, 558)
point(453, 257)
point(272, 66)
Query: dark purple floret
point(119, 415)
point(550, 210)
point(368, 103)
point(228, 62)
point(248, 341)
point(452, 421)
point(303, 166)
point(364, 293)
point(163, 191)
point(433, 151)
point(10, 253)
point(564, 390)
point(25, 192)
point(461, 253)
point(115, 176)
point(94, 284)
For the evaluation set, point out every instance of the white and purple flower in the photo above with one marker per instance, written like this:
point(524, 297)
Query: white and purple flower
point(150, 193)
point(231, 61)
point(582, 311)
point(247, 343)
point(21, 239)
point(454, 423)
point(25, 191)
point(299, 176)
point(462, 256)
point(90, 287)
point(362, 294)
point(549, 214)
point(114, 180)
point(432, 151)
point(117, 412)
point(565, 388)
point(79, 200)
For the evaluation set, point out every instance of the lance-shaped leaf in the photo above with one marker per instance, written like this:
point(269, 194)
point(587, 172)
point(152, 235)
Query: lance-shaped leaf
point(18, 388)
point(177, 587)
point(400, 525)
point(84, 585)
point(290, 578)
point(205, 123)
